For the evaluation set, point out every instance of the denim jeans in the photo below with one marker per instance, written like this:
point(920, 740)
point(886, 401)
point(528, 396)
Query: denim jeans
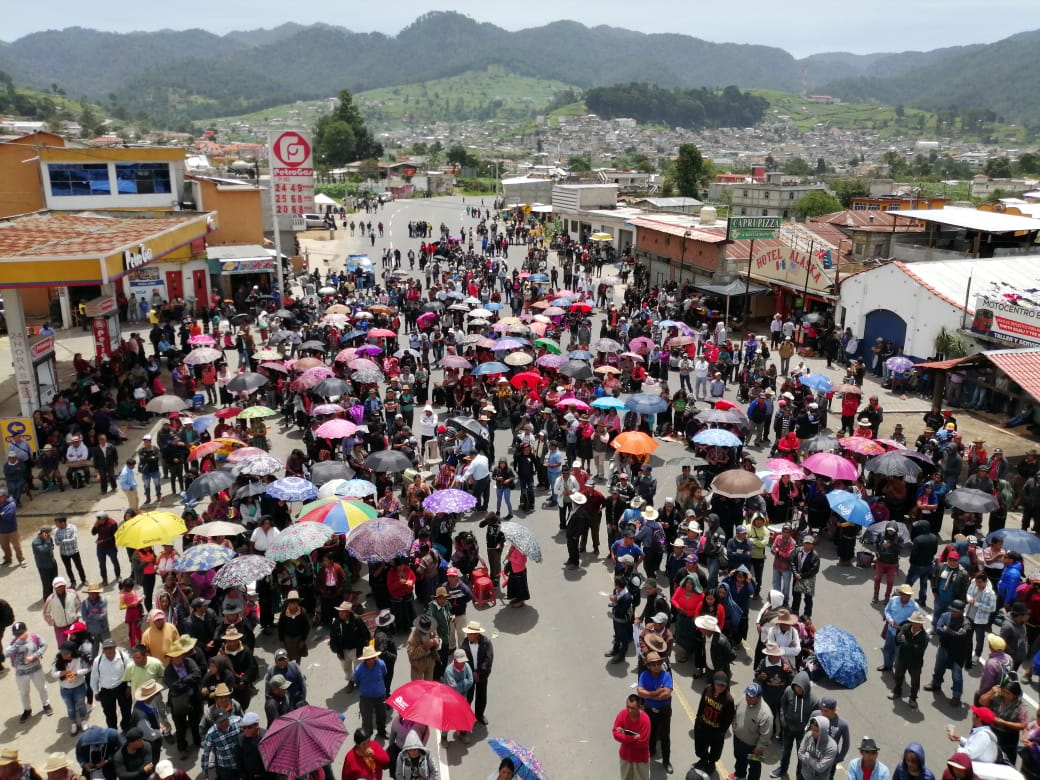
point(943, 661)
point(75, 702)
point(150, 479)
point(503, 494)
point(782, 583)
point(920, 572)
point(888, 652)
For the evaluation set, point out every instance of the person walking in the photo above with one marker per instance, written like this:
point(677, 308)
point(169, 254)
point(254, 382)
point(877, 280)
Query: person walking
point(632, 730)
point(422, 647)
point(220, 747)
point(25, 654)
point(61, 609)
point(66, 537)
point(817, 753)
point(370, 679)
point(714, 717)
point(107, 681)
point(127, 482)
point(654, 687)
point(151, 473)
point(752, 732)
point(954, 632)
point(458, 675)
point(911, 642)
point(104, 531)
point(796, 707)
point(10, 541)
point(480, 654)
point(43, 556)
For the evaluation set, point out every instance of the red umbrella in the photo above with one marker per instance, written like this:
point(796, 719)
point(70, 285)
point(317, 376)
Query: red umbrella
point(381, 333)
point(433, 704)
point(527, 379)
point(722, 403)
point(581, 306)
point(302, 740)
point(206, 448)
point(228, 412)
point(861, 445)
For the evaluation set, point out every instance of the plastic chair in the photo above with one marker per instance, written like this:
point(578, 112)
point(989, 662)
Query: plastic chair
point(482, 586)
point(432, 453)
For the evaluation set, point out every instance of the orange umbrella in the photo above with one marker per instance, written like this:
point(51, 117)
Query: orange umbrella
point(634, 443)
point(221, 446)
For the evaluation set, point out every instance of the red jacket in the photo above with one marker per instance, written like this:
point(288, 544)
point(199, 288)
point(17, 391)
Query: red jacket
point(355, 768)
point(634, 749)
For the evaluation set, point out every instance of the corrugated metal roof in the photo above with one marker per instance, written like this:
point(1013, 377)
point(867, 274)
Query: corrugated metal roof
point(867, 221)
point(703, 234)
point(973, 219)
point(950, 279)
point(1021, 365)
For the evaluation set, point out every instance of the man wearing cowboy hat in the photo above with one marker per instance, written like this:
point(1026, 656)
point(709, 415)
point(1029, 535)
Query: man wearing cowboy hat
point(423, 647)
point(654, 687)
point(370, 680)
point(712, 652)
point(911, 644)
point(348, 634)
point(183, 678)
point(480, 654)
point(576, 525)
point(149, 716)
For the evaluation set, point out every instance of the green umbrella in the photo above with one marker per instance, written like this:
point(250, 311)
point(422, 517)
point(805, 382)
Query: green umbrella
point(257, 411)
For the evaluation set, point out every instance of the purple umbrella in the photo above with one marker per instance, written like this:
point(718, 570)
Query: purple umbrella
point(551, 361)
point(899, 364)
point(382, 539)
point(501, 344)
point(302, 740)
point(449, 501)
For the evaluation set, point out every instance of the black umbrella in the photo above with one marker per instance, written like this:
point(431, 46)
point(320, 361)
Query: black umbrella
point(388, 460)
point(247, 381)
point(312, 346)
point(821, 442)
point(251, 489)
point(469, 424)
point(328, 470)
point(893, 464)
point(576, 369)
point(209, 484)
point(434, 306)
point(332, 386)
point(971, 500)
point(280, 337)
point(284, 314)
point(242, 319)
point(723, 417)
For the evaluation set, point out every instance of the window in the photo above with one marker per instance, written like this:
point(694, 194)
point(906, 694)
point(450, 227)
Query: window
point(79, 179)
point(766, 195)
point(743, 211)
point(143, 178)
point(745, 193)
point(790, 195)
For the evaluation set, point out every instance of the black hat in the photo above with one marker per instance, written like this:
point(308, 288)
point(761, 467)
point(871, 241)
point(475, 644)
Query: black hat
point(957, 605)
point(132, 735)
point(19, 628)
point(868, 744)
point(1018, 608)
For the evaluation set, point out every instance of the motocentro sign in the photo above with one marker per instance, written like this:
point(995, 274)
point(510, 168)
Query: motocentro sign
point(1001, 319)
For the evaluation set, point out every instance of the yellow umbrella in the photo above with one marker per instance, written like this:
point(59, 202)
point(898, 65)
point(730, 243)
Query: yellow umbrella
point(606, 370)
point(338, 308)
point(150, 528)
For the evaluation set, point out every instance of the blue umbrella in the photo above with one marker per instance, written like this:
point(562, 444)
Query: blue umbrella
point(608, 402)
point(539, 277)
point(354, 334)
point(717, 437)
point(356, 488)
point(668, 324)
point(493, 306)
point(850, 507)
point(1024, 542)
point(562, 301)
point(202, 423)
point(292, 489)
point(841, 657)
point(648, 403)
point(579, 354)
point(203, 557)
point(818, 383)
point(493, 367)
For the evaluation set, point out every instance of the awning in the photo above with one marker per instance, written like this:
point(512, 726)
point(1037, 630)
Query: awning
point(733, 288)
point(1021, 366)
point(943, 365)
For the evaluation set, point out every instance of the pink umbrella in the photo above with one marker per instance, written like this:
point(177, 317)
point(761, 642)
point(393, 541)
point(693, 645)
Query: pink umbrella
point(486, 343)
point(539, 328)
point(501, 327)
point(362, 364)
point(345, 355)
point(202, 340)
point(244, 453)
point(427, 318)
point(306, 382)
point(780, 466)
point(554, 311)
point(633, 356)
point(370, 350)
point(574, 403)
point(455, 361)
point(335, 429)
point(322, 372)
point(891, 443)
point(861, 445)
point(381, 333)
point(641, 344)
point(830, 465)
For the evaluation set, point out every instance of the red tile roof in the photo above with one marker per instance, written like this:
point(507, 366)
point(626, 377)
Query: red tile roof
point(55, 234)
point(1022, 366)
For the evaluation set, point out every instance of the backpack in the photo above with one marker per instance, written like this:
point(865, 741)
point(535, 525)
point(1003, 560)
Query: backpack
point(659, 541)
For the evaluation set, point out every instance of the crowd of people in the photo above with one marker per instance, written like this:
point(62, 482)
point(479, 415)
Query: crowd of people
point(405, 382)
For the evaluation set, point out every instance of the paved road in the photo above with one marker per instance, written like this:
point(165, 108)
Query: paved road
point(551, 689)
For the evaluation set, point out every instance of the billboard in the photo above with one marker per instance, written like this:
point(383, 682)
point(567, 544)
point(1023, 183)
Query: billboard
point(999, 318)
point(292, 176)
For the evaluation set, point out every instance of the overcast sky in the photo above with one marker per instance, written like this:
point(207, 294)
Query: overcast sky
point(800, 26)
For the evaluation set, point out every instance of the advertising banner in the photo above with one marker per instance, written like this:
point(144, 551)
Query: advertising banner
point(1001, 319)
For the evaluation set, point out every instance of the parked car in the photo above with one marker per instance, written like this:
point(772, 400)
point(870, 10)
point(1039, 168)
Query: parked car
point(313, 221)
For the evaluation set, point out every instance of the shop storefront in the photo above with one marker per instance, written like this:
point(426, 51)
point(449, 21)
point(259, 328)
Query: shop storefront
point(236, 270)
point(800, 280)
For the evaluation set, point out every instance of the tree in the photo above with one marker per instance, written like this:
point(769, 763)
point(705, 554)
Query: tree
point(341, 137)
point(815, 203)
point(796, 166)
point(849, 188)
point(821, 166)
point(688, 171)
point(998, 168)
point(1029, 163)
point(578, 164)
point(457, 155)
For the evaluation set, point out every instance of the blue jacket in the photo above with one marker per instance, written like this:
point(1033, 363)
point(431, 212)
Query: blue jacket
point(1009, 581)
point(902, 774)
point(855, 771)
point(8, 517)
point(371, 680)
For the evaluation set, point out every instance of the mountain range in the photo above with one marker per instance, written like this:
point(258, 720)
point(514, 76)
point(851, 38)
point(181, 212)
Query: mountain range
point(189, 74)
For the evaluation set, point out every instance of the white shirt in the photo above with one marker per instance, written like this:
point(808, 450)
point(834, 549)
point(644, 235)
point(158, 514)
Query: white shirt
point(428, 424)
point(565, 486)
point(76, 452)
point(789, 641)
point(261, 541)
point(700, 368)
point(479, 469)
point(108, 674)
